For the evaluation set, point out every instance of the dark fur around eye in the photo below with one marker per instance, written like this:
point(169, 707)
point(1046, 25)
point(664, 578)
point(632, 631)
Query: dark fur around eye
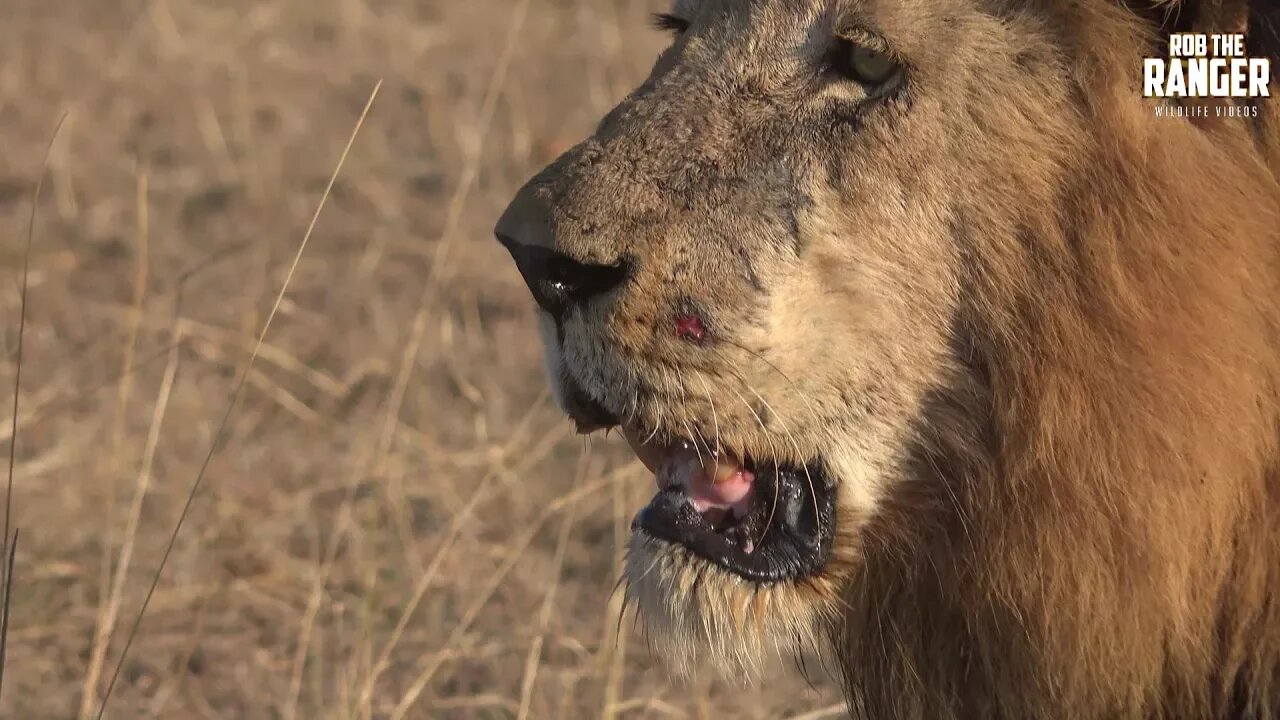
point(670, 23)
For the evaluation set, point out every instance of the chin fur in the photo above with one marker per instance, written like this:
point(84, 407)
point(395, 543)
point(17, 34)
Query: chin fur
point(698, 616)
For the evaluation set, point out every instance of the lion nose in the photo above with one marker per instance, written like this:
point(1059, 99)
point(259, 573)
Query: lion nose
point(558, 281)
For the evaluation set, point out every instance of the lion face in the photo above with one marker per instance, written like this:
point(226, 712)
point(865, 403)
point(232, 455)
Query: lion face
point(752, 269)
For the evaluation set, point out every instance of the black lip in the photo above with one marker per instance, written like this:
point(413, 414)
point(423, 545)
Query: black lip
point(796, 544)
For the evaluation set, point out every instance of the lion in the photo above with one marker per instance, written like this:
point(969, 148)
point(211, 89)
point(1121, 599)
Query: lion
point(952, 361)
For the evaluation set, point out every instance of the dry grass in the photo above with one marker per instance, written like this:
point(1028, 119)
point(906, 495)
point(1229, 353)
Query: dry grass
point(398, 524)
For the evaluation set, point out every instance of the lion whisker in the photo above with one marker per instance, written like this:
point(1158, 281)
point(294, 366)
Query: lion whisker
point(800, 458)
point(715, 421)
point(697, 438)
point(794, 388)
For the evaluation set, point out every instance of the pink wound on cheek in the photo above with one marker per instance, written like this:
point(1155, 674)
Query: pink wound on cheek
point(690, 327)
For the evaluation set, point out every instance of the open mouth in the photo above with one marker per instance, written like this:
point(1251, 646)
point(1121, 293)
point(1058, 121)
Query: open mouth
point(762, 521)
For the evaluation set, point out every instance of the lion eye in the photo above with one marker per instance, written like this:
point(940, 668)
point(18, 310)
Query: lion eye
point(865, 65)
point(670, 23)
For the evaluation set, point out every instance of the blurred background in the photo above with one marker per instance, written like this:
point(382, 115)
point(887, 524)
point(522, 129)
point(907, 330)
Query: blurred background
point(398, 524)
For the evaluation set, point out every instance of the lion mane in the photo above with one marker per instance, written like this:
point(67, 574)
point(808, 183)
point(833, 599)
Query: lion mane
point(1108, 448)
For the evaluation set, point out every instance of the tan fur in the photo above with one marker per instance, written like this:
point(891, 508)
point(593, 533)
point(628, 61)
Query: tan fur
point(1032, 331)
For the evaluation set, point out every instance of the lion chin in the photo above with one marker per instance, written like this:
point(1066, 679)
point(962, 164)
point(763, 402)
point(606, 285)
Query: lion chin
point(698, 616)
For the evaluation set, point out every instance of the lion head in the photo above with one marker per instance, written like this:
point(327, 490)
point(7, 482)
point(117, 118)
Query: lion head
point(948, 357)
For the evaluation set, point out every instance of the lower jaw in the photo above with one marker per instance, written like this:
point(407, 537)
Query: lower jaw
point(794, 542)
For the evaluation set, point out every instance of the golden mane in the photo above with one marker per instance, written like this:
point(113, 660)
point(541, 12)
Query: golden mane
point(1111, 449)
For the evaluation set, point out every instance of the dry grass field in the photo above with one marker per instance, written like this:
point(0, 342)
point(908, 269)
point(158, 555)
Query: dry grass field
point(397, 524)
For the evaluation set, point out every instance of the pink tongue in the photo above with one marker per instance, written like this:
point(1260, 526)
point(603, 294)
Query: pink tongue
point(710, 483)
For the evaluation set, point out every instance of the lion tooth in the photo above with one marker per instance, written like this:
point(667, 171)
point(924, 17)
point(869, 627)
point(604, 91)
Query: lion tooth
point(651, 454)
point(723, 469)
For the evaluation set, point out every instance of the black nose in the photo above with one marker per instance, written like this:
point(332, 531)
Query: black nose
point(557, 281)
